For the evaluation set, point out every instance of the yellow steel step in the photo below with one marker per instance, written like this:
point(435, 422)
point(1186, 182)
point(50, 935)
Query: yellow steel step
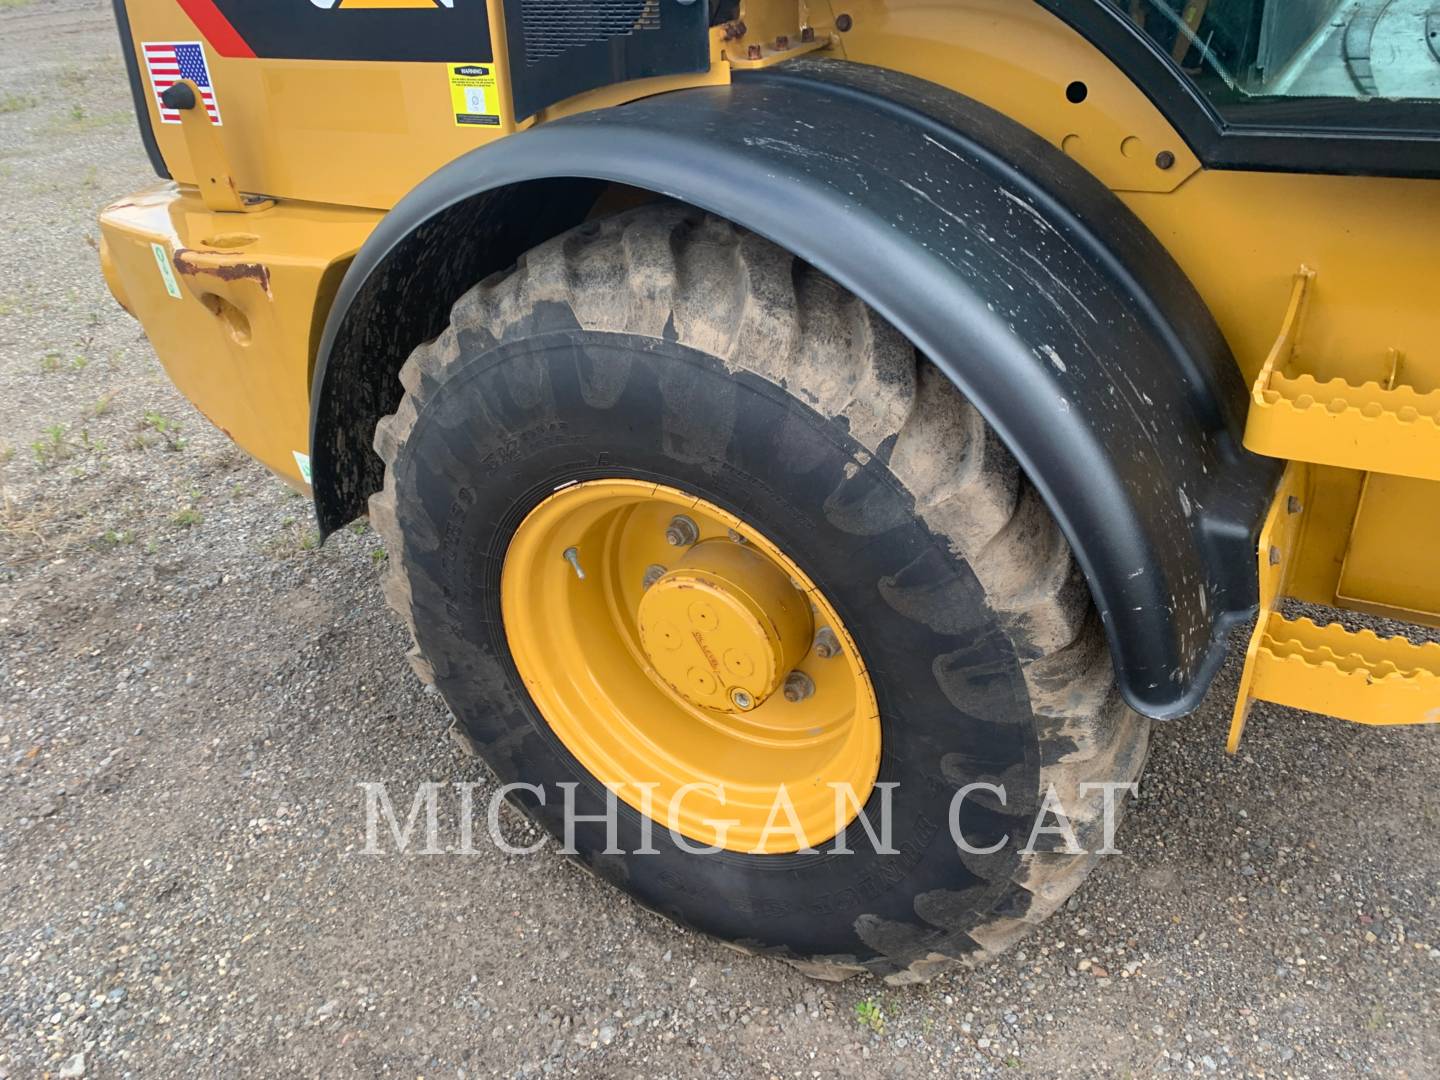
point(1354, 675)
point(1375, 427)
point(1395, 431)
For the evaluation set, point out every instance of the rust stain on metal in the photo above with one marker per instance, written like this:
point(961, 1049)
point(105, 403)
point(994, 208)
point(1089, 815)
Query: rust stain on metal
point(185, 262)
point(734, 29)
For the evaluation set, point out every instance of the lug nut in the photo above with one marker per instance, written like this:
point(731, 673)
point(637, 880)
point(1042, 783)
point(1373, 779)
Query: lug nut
point(807, 34)
point(798, 687)
point(827, 645)
point(736, 538)
point(681, 532)
point(754, 52)
point(782, 43)
point(742, 700)
point(653, 573)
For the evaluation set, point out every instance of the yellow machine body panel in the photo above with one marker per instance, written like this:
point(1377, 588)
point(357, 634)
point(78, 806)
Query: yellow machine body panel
point(335, 143)
point(234, 305)
point(344, 132)
point(349, 132)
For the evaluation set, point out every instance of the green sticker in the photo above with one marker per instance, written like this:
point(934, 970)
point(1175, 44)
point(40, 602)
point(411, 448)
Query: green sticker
point(162, 260)
point(302, 462)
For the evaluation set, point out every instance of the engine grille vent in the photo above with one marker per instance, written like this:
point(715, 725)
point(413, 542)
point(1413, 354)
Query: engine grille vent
point(554, 27)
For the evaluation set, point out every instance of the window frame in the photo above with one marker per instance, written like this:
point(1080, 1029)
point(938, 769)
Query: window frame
point(1304, 135)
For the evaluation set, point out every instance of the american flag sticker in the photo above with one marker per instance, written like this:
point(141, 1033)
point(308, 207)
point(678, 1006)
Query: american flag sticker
point(171, 61)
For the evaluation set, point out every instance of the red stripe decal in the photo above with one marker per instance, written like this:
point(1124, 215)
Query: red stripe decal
point(216, 28)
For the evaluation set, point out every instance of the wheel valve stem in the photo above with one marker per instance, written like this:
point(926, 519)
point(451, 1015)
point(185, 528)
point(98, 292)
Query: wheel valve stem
point(572, 556)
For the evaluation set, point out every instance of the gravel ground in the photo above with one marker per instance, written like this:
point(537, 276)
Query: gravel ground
point(190, 691)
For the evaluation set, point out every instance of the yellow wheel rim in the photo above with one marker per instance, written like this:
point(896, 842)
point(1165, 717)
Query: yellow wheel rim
point(694, 669)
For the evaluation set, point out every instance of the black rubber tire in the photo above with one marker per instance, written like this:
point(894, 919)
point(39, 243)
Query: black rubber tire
point(666, 344)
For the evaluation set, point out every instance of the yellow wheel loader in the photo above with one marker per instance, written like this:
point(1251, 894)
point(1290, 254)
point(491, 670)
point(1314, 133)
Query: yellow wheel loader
point(814, 439)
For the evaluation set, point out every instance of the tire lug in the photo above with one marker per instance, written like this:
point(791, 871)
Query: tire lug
point(798, 687)
point(681, 532)
point(827, 645)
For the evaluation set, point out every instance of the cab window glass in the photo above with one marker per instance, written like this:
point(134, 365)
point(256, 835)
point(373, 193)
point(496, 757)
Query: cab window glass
point(1238, 51)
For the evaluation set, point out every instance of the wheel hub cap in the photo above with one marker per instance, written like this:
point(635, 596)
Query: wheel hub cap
point(726, 619)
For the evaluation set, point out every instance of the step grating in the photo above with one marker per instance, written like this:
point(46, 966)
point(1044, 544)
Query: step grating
point(1354, 675)
point(1380, 427)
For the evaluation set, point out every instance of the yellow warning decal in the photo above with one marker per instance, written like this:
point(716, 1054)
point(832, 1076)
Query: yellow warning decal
point(474, 97)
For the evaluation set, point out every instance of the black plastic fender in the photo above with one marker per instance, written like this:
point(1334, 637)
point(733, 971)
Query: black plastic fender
point(1029, 284)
